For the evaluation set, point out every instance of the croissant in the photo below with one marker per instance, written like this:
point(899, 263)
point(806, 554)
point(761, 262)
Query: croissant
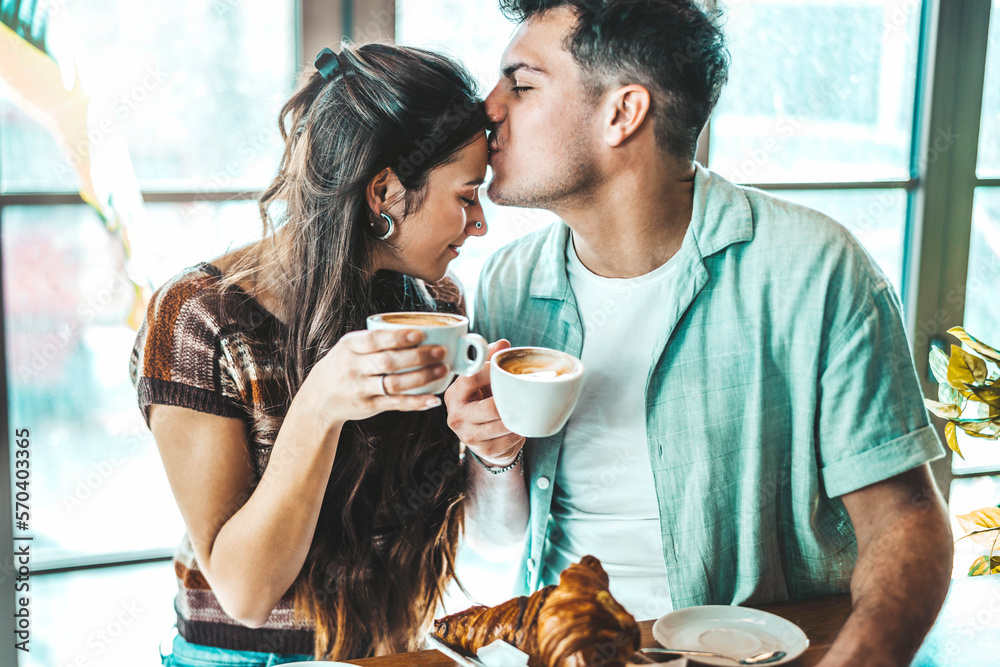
point(574, 624)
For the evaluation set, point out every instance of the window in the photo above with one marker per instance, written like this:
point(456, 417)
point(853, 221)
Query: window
point(67, 301)
point(195, 89)
point(982, 316)
point(818, 92)
point(105, 616)
point(150, 79)
point(967, 495)
point(989, 136)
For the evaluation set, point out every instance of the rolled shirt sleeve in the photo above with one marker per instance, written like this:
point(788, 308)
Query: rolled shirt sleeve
point(872, 420)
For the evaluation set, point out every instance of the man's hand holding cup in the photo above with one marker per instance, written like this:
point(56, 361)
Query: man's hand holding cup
point(473, 416)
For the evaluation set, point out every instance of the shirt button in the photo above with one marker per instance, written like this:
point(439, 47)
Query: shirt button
point(542, 483)
point(531, 565)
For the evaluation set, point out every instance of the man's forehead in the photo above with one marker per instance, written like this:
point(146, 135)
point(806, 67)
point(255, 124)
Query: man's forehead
point(539, 43)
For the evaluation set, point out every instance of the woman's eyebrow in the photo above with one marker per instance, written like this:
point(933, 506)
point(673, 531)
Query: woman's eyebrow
point(476, 181)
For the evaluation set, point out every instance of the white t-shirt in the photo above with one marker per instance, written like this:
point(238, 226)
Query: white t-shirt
point(604, 501)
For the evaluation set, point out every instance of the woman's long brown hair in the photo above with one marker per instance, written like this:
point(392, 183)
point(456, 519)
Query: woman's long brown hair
point(385, 542)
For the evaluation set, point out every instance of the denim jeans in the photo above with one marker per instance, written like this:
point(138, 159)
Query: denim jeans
point(196, 655)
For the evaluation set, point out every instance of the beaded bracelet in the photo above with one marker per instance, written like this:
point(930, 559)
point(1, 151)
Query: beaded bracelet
point(497, 471)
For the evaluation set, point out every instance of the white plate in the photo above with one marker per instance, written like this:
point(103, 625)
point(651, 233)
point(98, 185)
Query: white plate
point(736, 631)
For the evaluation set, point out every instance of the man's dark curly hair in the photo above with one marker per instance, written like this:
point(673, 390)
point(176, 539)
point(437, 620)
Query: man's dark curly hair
point(674, 48)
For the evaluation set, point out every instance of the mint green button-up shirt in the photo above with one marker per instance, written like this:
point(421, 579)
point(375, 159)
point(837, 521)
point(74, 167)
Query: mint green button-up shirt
point(783, 380)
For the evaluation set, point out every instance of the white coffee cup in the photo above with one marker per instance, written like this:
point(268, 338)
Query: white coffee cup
point(465, 353)
point(535, 389)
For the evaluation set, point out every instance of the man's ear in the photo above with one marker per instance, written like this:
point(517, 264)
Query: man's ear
point(627, 109)
point(384, 191)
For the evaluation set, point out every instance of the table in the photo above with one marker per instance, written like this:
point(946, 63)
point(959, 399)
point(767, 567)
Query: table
point(966, 634)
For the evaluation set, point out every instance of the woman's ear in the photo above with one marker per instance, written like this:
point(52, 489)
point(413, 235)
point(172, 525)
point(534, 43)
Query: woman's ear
point(384, 191)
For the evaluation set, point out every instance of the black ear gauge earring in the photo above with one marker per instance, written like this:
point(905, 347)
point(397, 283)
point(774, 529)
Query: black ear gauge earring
point(390, 227)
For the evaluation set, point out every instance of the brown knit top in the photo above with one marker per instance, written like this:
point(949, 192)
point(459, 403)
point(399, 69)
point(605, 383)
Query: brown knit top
point(216, 352)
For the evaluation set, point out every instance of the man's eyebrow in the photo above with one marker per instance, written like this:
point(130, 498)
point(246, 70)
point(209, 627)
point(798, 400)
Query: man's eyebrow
point(509, 70)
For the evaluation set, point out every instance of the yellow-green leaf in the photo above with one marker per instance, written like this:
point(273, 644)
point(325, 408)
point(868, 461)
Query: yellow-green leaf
point(976, 424)
point(947, 394)
point(978, 346)
point(965, 369)
point(952, 438)
point(988, 395)
point(973, 428)
point(986, 411)
point(942, 410)
point(983, 564)
point(938, 360)
point(985, 523)
point(981, 410)
point(981, 434)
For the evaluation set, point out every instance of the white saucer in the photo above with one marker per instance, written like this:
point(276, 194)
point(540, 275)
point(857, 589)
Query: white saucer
point(735, 631)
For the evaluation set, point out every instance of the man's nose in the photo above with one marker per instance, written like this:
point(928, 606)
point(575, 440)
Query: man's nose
point(494, 106)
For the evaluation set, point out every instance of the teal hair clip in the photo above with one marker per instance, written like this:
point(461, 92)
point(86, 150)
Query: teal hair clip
point(330, 65)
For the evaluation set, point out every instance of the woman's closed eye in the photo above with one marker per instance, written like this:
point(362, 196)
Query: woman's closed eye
point(468, 202)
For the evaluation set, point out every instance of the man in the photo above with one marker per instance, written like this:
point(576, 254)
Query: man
point(752, 427)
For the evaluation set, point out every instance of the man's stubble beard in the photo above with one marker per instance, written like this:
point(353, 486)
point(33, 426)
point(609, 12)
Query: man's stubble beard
point(561, 189)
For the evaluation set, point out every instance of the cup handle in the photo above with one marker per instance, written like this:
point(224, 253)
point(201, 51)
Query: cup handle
point(466, 366)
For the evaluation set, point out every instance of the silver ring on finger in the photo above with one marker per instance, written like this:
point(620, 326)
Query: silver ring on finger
point(382, 384)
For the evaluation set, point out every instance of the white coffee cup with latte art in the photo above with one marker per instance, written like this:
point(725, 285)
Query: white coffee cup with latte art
point(535, 389)
point(465, 355)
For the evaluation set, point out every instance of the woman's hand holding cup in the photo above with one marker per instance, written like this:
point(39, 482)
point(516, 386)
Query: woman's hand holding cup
point(361, 376)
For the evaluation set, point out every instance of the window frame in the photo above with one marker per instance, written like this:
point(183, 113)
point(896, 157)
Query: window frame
point(953, 77)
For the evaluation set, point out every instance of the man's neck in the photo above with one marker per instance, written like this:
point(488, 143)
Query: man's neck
point(635, 222)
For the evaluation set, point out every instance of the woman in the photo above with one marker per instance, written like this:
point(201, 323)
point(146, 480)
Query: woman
point(292, 454)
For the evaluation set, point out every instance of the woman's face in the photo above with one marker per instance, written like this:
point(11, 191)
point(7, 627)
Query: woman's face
point(430, 237)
